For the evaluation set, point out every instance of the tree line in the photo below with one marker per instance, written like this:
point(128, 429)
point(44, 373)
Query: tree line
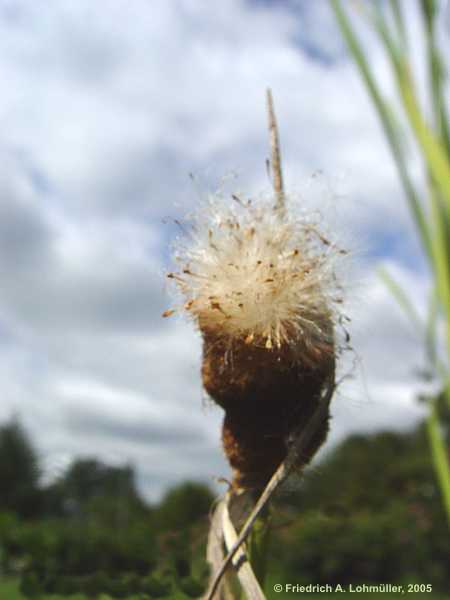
point(369, 512)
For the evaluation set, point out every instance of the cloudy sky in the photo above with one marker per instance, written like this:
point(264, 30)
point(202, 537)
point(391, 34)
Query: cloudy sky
point(106, 109)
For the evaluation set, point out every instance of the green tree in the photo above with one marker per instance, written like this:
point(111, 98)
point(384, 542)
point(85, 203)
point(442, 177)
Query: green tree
point(369, 512)
point(92, 489)
point(183, 505)
point(19, 471)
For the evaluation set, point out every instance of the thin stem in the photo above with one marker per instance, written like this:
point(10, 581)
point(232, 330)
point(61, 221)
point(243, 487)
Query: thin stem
point(240, 560)
point(214, 550)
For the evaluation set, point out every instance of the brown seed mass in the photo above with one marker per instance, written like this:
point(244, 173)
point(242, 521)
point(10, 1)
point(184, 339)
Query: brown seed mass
point(266, 394)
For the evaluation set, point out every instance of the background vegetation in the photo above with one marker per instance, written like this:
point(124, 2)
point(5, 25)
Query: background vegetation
point(370, 512)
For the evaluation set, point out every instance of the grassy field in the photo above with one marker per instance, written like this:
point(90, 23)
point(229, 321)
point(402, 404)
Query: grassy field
point(9, 590)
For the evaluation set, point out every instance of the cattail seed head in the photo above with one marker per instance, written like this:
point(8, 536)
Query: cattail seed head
point(259, 281)
point(251, 272)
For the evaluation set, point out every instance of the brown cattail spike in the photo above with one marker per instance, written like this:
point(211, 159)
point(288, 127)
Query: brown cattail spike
point(259, 281)
point(267, 394)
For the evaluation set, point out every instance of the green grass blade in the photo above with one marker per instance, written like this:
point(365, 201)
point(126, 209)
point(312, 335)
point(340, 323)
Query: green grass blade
point(402, 298)
point(400, 24)
point(439, 457)
point(428, 8)
point(434, 147)
point(433, 152)
point(436, 75)
point(431, 328)
point(435, 157)
point(441, 257)
point(386, 121)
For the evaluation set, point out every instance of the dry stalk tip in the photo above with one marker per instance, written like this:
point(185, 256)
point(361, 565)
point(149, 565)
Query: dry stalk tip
point(276, 154)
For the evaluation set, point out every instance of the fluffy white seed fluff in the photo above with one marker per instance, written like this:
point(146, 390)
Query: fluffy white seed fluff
point(248, 270)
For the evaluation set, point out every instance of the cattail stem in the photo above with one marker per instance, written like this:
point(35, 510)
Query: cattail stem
point(214, 550)
point(259, 282)
point(244, 569)
point(302, 438)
